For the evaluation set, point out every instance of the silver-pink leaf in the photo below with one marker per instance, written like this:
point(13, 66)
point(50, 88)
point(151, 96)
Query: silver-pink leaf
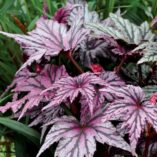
point(48, 39)
point(33, 85)
point(134, 110)
point(111, 82)
point(114, 81)
point(43, 117)
point(98, 103)
point(70, 88)
point(77, 140)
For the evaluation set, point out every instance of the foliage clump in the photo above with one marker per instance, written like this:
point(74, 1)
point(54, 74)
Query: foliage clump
point(77, 86)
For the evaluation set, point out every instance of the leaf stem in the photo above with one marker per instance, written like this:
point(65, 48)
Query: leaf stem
point(74, 62)
point(118, 68)
point(2, 100)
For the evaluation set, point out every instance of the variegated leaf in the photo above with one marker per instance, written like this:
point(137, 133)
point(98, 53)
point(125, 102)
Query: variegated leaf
point(112, 79)
point(43, 117)
point(92, 49)
point(108, 21)
point(146, 33)
point(70, 87)
point(123, 29)
point(149, 90)
point(63, 14)
point(114, 82)
point(135, 111)
point(150, 53)
point(111, 82)
point(77, 140)
point(99, 29)
point(131, 71)
point(48, 39)
point(33, 85)
point(98, 103)
point(87, 16)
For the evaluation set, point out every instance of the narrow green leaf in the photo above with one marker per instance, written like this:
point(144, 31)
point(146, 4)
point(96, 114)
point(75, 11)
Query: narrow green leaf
point(20, 146)
point(154, 7)
point(32, 24)
point(110, 5)
point(6, 6)
point(2, 100)
point(22, 129)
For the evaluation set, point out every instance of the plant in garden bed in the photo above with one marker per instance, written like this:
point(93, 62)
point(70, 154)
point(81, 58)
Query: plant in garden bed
point(76, 84)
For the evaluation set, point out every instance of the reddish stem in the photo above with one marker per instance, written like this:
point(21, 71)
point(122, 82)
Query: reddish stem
point(118, 68)
point(74, 62)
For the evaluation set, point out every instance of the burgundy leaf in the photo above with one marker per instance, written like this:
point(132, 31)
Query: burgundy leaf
point(77, 140)
point(62, 14)
point(70, 87)
point(33, 85)
point(93, 49)
point(135, 112)
point(48, 39)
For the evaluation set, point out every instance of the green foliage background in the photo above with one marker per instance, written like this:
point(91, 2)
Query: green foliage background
point(16, 14)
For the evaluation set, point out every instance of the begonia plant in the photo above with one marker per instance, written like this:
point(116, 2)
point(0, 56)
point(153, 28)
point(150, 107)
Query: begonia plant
point(88, 82)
